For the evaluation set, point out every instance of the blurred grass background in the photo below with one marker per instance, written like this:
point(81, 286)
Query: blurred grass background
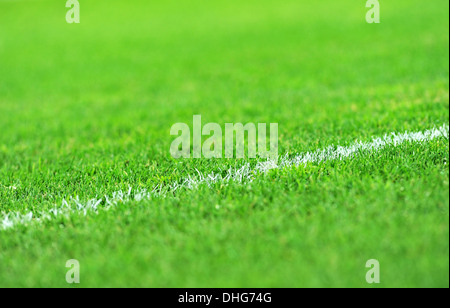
point(105, 92)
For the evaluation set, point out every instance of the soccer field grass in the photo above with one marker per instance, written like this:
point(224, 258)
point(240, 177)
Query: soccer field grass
point(86, 111)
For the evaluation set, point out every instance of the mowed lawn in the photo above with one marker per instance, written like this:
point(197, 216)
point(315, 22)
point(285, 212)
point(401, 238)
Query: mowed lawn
point(86, 110)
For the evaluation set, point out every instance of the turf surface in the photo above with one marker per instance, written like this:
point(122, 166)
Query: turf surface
point(86, 110)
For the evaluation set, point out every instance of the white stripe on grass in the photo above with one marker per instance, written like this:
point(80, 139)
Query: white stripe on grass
point(244, 174)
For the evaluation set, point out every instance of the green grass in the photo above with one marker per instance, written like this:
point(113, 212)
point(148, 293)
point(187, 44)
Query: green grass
point(86, 110)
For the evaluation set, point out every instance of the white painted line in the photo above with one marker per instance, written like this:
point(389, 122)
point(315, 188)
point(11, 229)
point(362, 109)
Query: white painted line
point(244, 174)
